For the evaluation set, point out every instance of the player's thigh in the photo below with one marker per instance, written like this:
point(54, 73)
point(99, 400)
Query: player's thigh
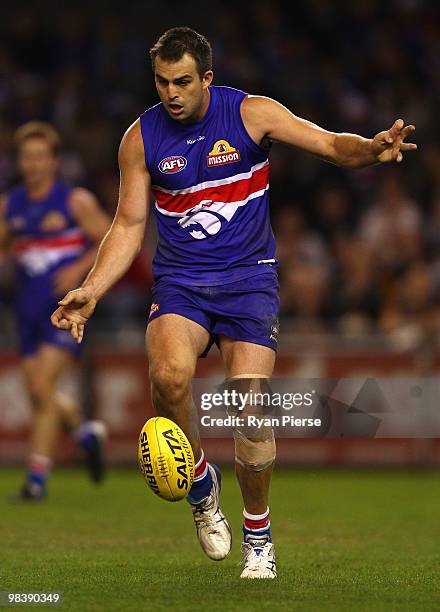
point(175, 342)
point(246, 358)
point(43, 369)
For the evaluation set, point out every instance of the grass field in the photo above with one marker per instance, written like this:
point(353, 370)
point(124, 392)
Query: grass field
point(345, 540)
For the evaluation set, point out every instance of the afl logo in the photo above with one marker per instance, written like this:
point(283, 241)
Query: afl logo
point(173, 164)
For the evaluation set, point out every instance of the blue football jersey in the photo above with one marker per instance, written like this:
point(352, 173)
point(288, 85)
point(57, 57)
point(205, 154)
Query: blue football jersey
point(210, 181)
point(47, 237)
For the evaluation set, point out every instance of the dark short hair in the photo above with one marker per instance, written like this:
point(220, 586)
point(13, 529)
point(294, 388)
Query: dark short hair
point(38, 129)
point(174, 43)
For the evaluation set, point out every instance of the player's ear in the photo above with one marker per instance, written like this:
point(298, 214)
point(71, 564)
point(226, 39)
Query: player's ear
point(207, 78)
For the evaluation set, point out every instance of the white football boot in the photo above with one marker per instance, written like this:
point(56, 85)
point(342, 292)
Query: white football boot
point(213, 530)
point(258, 558)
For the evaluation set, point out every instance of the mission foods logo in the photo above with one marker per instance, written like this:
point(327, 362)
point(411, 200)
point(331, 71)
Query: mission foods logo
point(173, 164)
point(222, 153)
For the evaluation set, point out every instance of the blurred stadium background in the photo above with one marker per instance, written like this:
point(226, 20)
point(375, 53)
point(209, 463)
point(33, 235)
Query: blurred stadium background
point(359, 250)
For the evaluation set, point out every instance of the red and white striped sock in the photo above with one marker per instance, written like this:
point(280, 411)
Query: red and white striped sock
point(202, 483)
point(256, 523)
point(38, 469)
point(201, 468)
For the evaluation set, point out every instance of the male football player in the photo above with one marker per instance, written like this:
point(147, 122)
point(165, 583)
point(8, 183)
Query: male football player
point(203, 151)
point(54, 230)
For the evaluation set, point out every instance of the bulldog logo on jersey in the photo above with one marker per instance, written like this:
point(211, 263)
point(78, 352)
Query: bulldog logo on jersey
point(222, 153)
point(204, 223)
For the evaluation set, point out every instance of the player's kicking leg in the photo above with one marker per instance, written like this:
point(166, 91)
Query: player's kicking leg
point(254, 456)
point(42, 372)
point(173, 346)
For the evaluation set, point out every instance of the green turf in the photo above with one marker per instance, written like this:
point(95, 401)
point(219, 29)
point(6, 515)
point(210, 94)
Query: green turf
point(344, 540)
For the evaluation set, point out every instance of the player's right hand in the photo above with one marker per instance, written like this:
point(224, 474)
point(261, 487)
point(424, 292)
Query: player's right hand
point(74, 311)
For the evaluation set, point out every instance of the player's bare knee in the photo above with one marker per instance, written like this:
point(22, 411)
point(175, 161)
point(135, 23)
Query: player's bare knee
point(40, 392)
point(170, 383)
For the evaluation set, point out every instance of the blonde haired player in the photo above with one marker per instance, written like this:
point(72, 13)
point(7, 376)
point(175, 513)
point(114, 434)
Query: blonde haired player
point(203, 151)
point(54, 229)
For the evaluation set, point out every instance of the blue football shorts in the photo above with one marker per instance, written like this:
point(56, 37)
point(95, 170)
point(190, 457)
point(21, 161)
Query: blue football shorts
point(245, 310)
point(35, 329)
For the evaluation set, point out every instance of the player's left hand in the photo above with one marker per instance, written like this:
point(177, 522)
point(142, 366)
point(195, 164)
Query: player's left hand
point(388, 145)
point(73, 312)
point(66, 279)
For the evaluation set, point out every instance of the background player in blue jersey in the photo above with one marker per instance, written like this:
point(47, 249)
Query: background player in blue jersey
point(203, 151)
point(52, 229)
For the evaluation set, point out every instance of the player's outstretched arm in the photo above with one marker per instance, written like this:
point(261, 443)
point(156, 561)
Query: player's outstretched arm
point(121, 243)
point(266, 118)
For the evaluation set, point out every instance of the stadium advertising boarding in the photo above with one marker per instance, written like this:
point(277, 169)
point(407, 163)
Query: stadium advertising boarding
point(370, 419)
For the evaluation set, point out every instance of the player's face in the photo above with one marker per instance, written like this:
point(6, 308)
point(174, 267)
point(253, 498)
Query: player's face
point(183, 93)
point(36, 161)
